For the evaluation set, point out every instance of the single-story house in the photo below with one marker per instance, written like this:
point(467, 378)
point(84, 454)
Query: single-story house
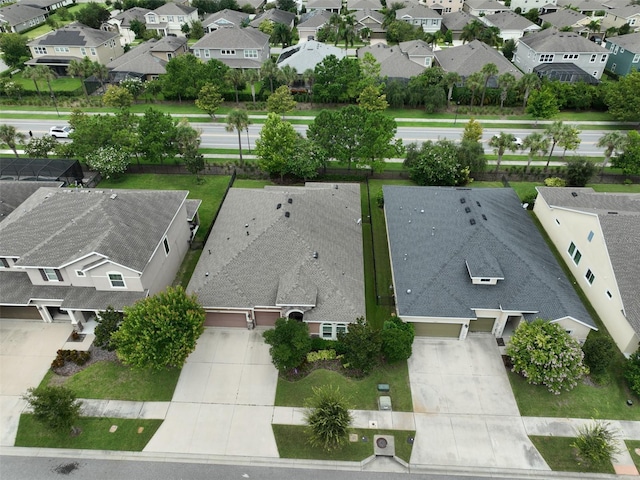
point(17, 18)
point(394, 63)
point(306, 55)
point(293, 252)
point(471, 260)
point(48, 5)
point(311, 22)
point(598, 235)
point(148, 60)
point(455, 22)
point(511, 25)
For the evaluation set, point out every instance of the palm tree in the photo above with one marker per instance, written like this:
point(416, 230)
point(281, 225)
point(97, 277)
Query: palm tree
point(11, 137)
point(269, 70)
point(309, 76)
point(252, 76)
point(594, 26)
point(101, 72)
point(83, 69)
point(610, 32)
point(488, 70)
point(236, 78)
point(433, 38)
point(473, 83)
point(537, 144)
point(569, 139)
point(506, 81)
point(490, 36)
point(32, 73)
point(450, 79)
point(501, 143)
point(471, 31)
point(554, 133)
point(528, 82)
point(281, 34)
point(613, 141)
point(238, 120)
point(288, 75)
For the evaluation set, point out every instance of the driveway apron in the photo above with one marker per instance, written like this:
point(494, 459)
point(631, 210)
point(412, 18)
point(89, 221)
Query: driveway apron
point(223, 403)
point(465, 411)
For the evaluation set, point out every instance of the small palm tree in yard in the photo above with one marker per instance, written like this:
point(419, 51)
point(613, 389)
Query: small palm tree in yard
point(238, 120)
point(10, 137)
point(328, 418)
point(597, 443)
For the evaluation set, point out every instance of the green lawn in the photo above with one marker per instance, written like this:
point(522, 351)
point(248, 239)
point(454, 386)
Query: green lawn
point(188, 266)
point(59, 84)
point(94, 434)
point(561, 456)
point(362, 394)
point(632, 446)
point(114, 381)
point(292, 443)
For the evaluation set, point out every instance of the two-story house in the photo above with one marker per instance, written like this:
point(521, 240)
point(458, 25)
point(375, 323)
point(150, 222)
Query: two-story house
point(373, 21)
point(224, 19)
point(526, 5)
point(331, 6)
point(66, 254)
point(274, 15)
point(617, 17)
point(148, 60)
point(17, 18)
point(566, 18)
point(311, 22)
point(74, 42)
point(169, 18)
point(443, 6)
point(478, 8)
point(511, 25)
point(356, 5)
point(47, 5)
point(624, 53)
point(122, 23)
point(598, 235)
point(552, 46)
point(429, 20)
point(455, 22)
point(235, 47)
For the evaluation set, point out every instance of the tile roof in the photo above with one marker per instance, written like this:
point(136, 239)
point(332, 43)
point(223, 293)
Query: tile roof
point(621, 232)
point(429, 251)
point(552, 40)
point(259, 257)
point(17, 13)
point(54, 227)
point(471, 57)
point(630, 41)
point(233, 38)
point(75, 35)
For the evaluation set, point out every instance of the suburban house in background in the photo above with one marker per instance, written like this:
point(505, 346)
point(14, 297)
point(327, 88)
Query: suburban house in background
point(372, 20)
point(478, 8)
point(511, 25)
point(66, 254)
point(274, 15)
point(567, 18)
point(311, 22)
point(598, 235)
point(74, 42)
point(48, 5)
point(617, 17)
point(224, 19)
point(122, 23)
point(16, 18)
point(442, 8)
point(148, 60)
point(471, 260)
point(455, 22)
point(396, 63)
point(306, 55)
point(554, 47)
point(169, 18)
point(420, 16)
point(235, 47)
point(330, 6)
point(624, 53)
point(293, 252)
point(526, 5)
point(360, 5)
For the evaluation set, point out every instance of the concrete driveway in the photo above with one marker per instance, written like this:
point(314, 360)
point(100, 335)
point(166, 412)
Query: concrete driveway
point(27, 349)
point(465, 412)
point(223, 403)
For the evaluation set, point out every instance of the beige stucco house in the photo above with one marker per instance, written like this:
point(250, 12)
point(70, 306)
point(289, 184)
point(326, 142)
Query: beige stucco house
point(598, 235)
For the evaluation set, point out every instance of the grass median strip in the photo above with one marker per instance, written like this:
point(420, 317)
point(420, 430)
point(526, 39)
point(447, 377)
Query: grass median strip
point(561, 456)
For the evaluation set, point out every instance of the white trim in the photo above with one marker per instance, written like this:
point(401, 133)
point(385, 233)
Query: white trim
point(111, 281)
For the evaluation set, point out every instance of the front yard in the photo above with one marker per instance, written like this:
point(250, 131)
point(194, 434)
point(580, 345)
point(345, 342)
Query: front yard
point(562, 457)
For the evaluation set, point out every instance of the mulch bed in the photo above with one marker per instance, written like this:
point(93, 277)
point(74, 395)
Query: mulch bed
point(97, 355)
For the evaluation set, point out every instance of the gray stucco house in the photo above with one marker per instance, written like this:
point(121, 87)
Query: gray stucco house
point(471, 260)
point(235, 47)
point(17, 18)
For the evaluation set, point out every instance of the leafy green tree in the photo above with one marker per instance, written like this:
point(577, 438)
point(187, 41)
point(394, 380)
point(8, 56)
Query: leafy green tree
point(579, 172)
point(290, 343)
point(362, 346)
point(569, 138)
point(110, 162)
point(399, 31)
point(118, 97)
point(336, 80)
point(10, 137)
point(81, 68)
point(435, 99)
point(542, 104)
point(138, 28)
point(597, 443)
point(281, 34)
point(500, 144)
point(375, 140)
point(54, 406)
point(108, 321)
point(545, 354)
point(14, 49)
point(338, 132)
point(509, 49)
point(40, 147)
point(306, 160)
point(370, 71)
point(599, 351)
point(93, 15)
point(281, 101)
point(372, 100)
point(276, 145)
point(527, 83)
point(91, 132)
point(328, 418)
point(629, 160)
point(197, 30)
point(160, 331)
point(157, 136)
point(472, 131)
point(266, 27)
point(209, 99)
point(397, 339)
point(235, 77)
point(622, 97)
point(287, 5)
point(435, 163)
point(632, 372)
point(187, 138)
point(186, 75)
point(238, 120)
point(471, 156)
point(612, 142)
point(134, 86)
point(537, 144)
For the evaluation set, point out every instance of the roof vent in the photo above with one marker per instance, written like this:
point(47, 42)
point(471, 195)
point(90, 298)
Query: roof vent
point(278, 206)
point(289, 200)
point(287, 214)
point(463, 200)
point(467, 209)
point(409, 291)
point(113, 196)
point(472, 221)
point(574, 194)
point(484, 217)
point(315, 254)
point(478, 203)
point(612, 213)
point(336, 186)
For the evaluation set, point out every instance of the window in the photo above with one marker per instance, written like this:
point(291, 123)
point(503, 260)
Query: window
point(83, 51)
point(546, 57)
point(40, 50)
point(207, 53)
point(557, 221)
point(251, 54)
point(93, 52)
point(50, 275)
point(613, 67)
point(61, 49)
point(571, 56)
point(165, 242)
point(636, 58)
point(609, 294)
point(79, 273)
point(4, 263)
point(327, 330)
point(577, 257)
point(152, 19)
point(603, 59)
point(227, 52)
point(341, 328)
point(632, 21)
point(621, 50)
point(170, 18)
point(593, 58)
point(590, 276)
point(181, 18)
point(116, 280)
point(572, 248)
point(590, 236)
point(595, 73)
point(196, 53)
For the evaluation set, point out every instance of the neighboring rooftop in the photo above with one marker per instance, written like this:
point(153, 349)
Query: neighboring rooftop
point(75, 35)
point(13, 193)
point(471, 57)
point(553, 40)
point(308, 54)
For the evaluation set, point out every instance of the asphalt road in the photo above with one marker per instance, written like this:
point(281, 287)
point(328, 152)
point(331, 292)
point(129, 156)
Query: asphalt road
point(214, 135)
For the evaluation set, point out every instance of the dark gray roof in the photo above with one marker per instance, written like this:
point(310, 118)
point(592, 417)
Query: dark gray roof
point(625, 12)
point(324, 4)
point(39, 3)
point(12, 194)
point(275, 15)
point(394, 63)
point(630, 41)
point(509, 21)
point(233, 38)
point(486, 5)
point(417, 11)
point(621, 234)
point(225, 17)
point(54, 227)
point(364, 5)
point(17, 13)
point(259, 257)
point(17, 290)
point(429, 251)
point(314, 18)
point(75, 35)
point(471, 57)
point(457, 20)
point(135, 13)
point(139, 60)
point(192, 208)
point(171, 8)
point(553, 40)
point(563, 18)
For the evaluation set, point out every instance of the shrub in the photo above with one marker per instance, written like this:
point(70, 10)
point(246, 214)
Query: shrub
point(107, 323)
point(321, 355)
point(380, 199)
point(397, 339)
point(596, 443)
point(632, 372)
point(319, 343)
point(579, 172)
point(598, 353)
point(55, 407)
point(290, 343)
point(328, 418)
point(554, 182)
point(362, 346)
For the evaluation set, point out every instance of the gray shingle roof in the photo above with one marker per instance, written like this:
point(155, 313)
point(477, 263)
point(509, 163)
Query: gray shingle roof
point(308, 54)
point(12, 194)
point(275, 15)
point(486, 5)
point(509, 21)
point(56, 226)
point(563, 18)
point(630, 41)
point(135, 13)
point(314, 18)
point(233, 38)
point(270, 260)
point(417, 11)
point(324, 4)
point(429, 255)
point(471, 57)
point(364, 5)
point(171, 8)
point(17, 13)
point(621, 234)
point(75, 35)
point(625, 12)
point(232, 16)
point(552, 40)
point(139, 60)
point(394, 63)
point(457, 20)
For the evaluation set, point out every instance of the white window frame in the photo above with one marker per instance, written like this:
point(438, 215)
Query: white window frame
point(40, 50)
point(589, 276)
point(93, 52)
point(207, 53)
point(51, 274)
point(83, 51)
point(547, 57)
point(251, 53)
point(323, 327)
point(604, 58)
point(636, 58)
point(196, 53)
point(227, 52)
point(112, 280)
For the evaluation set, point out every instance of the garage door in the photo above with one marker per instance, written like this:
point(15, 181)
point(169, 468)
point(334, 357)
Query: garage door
point(267, 319)
point(226, 320)
point(481, 325)
point(30, 313)
point(451, 330)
